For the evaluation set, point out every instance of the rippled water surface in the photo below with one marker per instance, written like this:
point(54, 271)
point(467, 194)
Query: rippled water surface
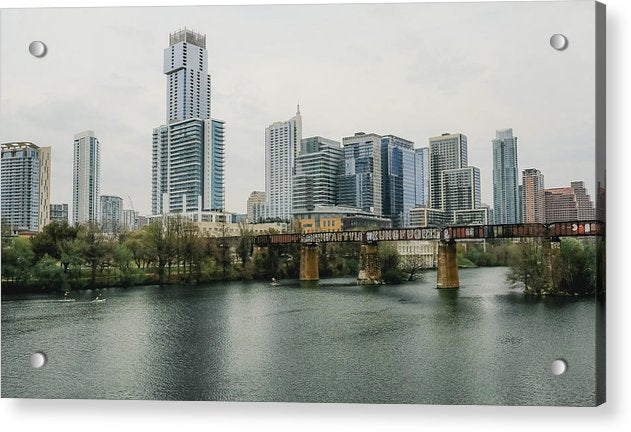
point(481, 344)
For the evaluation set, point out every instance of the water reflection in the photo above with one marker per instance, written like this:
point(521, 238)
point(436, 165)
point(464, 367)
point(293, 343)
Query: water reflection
point(332, 342)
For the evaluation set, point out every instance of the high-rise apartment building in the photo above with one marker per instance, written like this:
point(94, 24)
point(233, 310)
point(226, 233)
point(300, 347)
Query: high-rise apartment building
point(25, 186)
point(86, 178)
point(460, 189)
point(188, 81)
point(566, 204)
point(282, 143)
point(360, 181)
point(505, 178)
point(317, 171)
point(446, 152)
point(130, 219)
point(398, 179)
point(59, 213)
point(533, 196)
point(421, 174)
point(111, 213)
point(188, 151)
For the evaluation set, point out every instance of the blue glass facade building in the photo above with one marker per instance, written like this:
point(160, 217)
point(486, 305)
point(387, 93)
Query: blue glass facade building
point(398, 179)
point(506, 196)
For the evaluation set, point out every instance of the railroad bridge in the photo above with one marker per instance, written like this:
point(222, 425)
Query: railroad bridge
point(447, 275)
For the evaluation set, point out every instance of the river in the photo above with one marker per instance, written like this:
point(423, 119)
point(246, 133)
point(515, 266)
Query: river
point(337, 342)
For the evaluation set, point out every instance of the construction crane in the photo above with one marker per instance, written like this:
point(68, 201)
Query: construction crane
point(131, 203)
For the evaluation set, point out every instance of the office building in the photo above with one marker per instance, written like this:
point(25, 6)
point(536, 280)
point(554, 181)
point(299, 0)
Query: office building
point(86, 178)
point(421, 174)
point(422, 217)
point(398, 179)
point(111, 213)
point(446, 152)
point(282, 143)
point(317, 171)
point(567, 204)
point(59, 213)
point(256, 197)
point(188, 160)
point(25, 186)
point(360, 180)
point(460, 189)
point(533, 196)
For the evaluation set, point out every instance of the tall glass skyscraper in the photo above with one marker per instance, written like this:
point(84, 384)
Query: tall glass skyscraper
point(317, 170)
point(282, 143)
point(360, 181)
point(25, 186)
point(86, 184)
point(506, 198)
point(446, 152)
point(421, 174)
point(398, 181)
point(188, 151)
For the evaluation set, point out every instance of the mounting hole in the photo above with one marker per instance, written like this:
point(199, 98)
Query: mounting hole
point(558, 367)
point(37, 48)
point(37, 360)
point(558, 42)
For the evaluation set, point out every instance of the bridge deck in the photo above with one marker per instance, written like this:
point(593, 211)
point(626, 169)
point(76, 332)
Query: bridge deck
point(560, 229)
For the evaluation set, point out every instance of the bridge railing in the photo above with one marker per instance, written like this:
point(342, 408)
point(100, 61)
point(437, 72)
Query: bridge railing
point(559, 229)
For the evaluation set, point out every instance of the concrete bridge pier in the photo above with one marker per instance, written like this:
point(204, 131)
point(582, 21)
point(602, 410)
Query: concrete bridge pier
point(309, 262)
point(447, 276)
point(369, 265)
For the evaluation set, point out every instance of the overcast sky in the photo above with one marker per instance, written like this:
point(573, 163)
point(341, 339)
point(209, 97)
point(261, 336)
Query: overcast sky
point(412, 70)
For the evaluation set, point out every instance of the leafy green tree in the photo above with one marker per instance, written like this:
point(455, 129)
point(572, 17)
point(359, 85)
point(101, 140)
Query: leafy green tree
point(50, 275)
point(529, 269)
point(578, 267)
point(159, 243)
point(51, 240)
point(96, 249)
point(244, 247)
point(17, 260)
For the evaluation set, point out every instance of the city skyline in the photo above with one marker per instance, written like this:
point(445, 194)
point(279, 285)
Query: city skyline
point(122, 107)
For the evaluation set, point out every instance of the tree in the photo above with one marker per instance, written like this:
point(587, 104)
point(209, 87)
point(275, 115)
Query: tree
point(528, 268)
point(158, 240)
point(50, 275)
point(577, 264)
point(50, 241)
point(96, 249)
point(245, 243)
point(390, 260)
point(17, 260)
point(412, 265)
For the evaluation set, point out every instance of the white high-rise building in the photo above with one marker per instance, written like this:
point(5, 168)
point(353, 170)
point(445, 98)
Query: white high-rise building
point(282, 143)
point(188, 151)
point(25, 187)
point(86, 178)
point(188, 82)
